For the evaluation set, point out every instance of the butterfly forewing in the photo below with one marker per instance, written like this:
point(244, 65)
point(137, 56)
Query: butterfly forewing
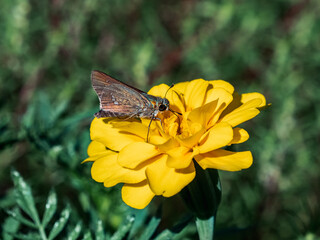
point(118, 99)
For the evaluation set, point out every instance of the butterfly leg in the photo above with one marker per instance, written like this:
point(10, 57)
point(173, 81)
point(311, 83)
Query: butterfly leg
point(149, 128)
point(160, 122)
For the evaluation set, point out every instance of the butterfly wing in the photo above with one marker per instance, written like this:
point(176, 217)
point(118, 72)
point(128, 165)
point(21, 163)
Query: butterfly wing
point(118, 99)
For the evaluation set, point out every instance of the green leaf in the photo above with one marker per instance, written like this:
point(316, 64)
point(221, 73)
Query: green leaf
point(15, 213)
point(87, 236)
point(28, 236)
point(166, 234)
point(152, 226)
point(24, 196)
point(50, 208)
point(140, 219)
point(124, 229)
point(176, 230)
point(10, 227)
point(99, 232)
point(59, 225)
point(75, 232)
point(205, 228)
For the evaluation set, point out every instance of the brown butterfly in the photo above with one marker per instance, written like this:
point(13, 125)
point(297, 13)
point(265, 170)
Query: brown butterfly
point(120, 100)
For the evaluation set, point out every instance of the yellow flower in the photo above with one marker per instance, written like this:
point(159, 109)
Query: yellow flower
point(164, 165)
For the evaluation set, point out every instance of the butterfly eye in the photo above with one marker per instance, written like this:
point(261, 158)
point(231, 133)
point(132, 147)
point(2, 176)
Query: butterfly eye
point(162, 107)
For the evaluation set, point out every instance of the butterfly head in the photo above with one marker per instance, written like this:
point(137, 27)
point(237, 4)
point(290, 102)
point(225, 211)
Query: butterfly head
point(163, 104)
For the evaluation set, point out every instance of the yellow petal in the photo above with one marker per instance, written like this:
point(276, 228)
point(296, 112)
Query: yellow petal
point(168, 145)
point(135, 128)
point(243, 113)
point(136, 153)
point(106, 169)
point(181, 87)
point(137, 195)
point(222, 84)
point(246, 97)
point(222, 99)
point(241, 99)
point(157, 139)
point(159, 90)
point(111, 137)
point(225, 160)
point(219, 136)
point(176, 100)
point(95, 150)
point(195, 93)
point(168, 181)
point(180, 157)
point(220, 95)
point(239, 136)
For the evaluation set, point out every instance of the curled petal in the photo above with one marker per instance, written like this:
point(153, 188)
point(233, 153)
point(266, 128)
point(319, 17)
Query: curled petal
point(113, 138)
point(243, 113)
point(239, 136)
point(219, 136)
point(220, 95)
point(107, 170)
point(168, 181)
point(137, 195)
point(136, 153)
point(225, 160)
point(246, 97)
point(222, 84)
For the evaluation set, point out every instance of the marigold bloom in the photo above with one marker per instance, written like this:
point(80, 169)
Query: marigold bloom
point(210, 110)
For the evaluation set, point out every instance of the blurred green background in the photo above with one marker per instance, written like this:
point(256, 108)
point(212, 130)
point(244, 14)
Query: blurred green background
point(48, 49)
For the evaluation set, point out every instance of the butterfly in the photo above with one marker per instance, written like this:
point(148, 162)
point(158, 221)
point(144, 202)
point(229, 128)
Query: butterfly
point(120, 100)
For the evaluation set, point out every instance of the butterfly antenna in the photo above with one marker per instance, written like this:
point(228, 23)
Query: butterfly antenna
point(176, 113)
point(149, 129)
point(168, 90)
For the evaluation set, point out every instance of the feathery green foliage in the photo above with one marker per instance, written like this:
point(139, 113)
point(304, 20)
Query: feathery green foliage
point(47, 51)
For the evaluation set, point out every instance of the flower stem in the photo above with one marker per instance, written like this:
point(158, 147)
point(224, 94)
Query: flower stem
point(202, 196)
point(205, 228)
